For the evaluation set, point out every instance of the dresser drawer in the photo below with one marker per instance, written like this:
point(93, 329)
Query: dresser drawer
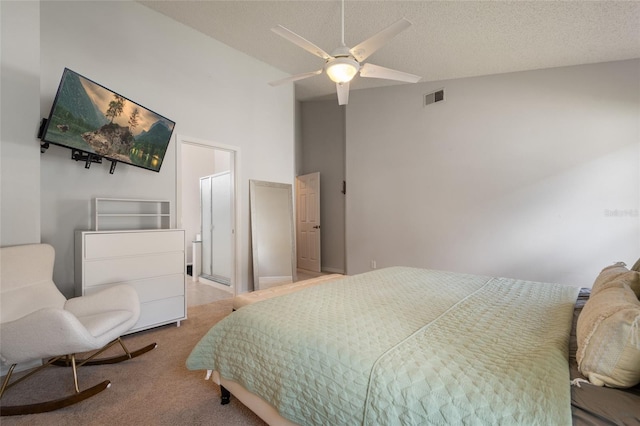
point(149, 289)
point(160, 312)
point(127, 269)
point(122, 244)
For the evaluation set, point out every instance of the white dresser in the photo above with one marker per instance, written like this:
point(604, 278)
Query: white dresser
point(152, 261)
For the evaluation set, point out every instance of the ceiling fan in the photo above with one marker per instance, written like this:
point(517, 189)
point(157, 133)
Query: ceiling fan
point(343, 63)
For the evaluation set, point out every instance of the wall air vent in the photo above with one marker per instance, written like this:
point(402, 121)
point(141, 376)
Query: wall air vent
point(433, 97)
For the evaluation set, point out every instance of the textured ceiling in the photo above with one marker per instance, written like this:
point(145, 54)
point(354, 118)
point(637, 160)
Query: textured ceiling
point(448, 39)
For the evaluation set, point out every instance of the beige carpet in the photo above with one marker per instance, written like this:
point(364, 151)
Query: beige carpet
point(153, 389)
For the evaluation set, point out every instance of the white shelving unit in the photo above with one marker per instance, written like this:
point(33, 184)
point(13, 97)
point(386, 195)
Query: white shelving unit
point(120, 214)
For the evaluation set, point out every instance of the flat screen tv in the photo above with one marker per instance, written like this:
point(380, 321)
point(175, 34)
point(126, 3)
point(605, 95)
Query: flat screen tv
point(92, 119)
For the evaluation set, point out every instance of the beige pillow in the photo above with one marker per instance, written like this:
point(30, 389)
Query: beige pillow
point(617, 272)
point(609, 337)
point(636, 266)
point(632, 279)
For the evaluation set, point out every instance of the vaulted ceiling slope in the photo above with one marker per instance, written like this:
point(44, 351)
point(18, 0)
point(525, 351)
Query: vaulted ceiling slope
point(448, 39)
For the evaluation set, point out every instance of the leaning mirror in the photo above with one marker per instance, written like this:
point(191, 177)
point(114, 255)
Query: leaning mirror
point(272, 233)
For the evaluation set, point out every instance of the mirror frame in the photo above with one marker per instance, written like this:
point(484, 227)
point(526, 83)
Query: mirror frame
point(254, 212)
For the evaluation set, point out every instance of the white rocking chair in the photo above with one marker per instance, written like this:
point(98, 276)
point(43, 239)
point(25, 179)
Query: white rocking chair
point(38, 323)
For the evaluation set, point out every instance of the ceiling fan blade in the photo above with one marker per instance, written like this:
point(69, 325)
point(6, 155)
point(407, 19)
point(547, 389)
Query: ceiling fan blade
point(300, 41)
point(376, 71)
point(295, 78)
point(343, 93)
point(375, 42)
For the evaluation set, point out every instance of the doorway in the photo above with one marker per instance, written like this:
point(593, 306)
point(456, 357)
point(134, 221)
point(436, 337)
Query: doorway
point(211, 247)
point(308, 222)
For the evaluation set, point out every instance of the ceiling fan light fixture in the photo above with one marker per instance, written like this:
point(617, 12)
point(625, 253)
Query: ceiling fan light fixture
point(342, 69)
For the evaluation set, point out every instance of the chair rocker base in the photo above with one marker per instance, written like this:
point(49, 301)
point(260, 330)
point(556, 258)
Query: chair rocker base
point(103, 361)
point(43, 407)
point(68, 361)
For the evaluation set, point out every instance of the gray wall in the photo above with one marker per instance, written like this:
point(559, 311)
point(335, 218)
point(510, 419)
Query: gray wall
point(212, 91)
point(531, 175)
point(19, 120)
point(323, 150)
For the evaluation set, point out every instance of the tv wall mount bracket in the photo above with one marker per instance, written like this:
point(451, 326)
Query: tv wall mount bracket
point(76, 154)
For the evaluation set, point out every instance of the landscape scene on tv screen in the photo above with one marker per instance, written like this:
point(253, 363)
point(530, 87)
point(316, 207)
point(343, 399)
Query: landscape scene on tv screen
point(91, 118)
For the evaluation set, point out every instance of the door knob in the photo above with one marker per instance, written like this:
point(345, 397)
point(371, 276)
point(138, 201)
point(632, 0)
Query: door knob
point(316, 227)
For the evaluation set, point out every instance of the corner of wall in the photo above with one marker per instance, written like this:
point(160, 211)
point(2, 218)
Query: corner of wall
point(20, 114)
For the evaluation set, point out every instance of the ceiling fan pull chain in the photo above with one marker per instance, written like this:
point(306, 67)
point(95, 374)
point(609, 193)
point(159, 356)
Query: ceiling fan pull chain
point(343, 23)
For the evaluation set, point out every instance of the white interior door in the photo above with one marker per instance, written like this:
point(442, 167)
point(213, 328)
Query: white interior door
point(308, 221)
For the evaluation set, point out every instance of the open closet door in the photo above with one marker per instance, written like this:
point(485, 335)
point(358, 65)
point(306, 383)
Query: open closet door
point(308, 221)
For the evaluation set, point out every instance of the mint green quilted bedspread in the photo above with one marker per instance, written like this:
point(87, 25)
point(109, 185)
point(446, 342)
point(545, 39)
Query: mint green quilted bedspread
point(403, 346)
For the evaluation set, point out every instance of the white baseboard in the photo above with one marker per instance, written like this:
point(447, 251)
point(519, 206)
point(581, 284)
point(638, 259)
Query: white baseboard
point(202, 280)
point(333, 270)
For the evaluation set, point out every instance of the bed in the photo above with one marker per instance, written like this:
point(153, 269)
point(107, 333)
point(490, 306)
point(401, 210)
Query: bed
point(401, 346)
